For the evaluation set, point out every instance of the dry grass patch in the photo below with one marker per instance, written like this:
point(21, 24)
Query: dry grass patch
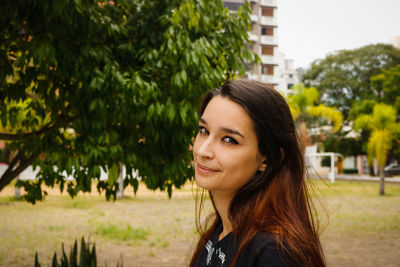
point(151, 230)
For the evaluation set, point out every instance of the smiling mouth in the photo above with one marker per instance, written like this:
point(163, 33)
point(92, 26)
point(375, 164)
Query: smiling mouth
point(204, 170)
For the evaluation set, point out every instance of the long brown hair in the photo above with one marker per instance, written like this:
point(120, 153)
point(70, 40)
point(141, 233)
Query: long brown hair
point(275, 200)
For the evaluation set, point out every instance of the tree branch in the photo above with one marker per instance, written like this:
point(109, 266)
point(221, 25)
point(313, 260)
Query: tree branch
point(45, 129)
point(11, 174)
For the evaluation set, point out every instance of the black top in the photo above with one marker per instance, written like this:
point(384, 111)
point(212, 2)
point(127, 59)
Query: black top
point(260, 251)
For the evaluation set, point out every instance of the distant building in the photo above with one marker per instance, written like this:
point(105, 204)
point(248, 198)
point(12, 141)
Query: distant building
point(395, 41)
point(264, 39)
point(288, 75)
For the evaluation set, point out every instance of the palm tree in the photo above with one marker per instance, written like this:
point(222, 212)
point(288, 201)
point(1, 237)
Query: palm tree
point(383, 127)
point(304, 101)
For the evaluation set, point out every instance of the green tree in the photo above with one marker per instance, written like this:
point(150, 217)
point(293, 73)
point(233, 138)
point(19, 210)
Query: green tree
point(339, 142)
point(303, 103)
point(383, 127)
point(388, 83)
point(344, 77)
point(104, 83)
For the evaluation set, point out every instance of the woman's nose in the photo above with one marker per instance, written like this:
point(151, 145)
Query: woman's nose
point(206, 149)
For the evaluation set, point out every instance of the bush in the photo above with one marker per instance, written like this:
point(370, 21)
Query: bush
point(87, 257)
point(326, 162)
point(350, 171)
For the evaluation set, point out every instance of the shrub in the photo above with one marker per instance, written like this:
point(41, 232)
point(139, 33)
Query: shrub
point(350, 171)
point(87, 257)
point(326, 162)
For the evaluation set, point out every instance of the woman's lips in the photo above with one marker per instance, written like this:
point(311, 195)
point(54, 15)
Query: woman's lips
point(205, 170)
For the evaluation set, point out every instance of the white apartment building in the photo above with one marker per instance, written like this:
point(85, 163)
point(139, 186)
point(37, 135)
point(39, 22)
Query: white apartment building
point(288, 75)
point(395, 41)
point(264, 40)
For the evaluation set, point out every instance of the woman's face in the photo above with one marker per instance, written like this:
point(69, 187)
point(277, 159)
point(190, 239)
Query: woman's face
point(226, 151)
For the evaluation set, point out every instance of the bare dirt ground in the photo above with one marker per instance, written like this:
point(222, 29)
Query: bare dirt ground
point(363, 228)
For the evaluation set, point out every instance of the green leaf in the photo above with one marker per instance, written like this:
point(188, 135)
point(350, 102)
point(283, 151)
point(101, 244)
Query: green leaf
point(135, 183)
point(169, 190)
point(3, 120)
point(171, 113)
point(184, 76)
point(54, 262)
point(113, 174)
point(37, 264)
point(13, 120)
point(182, 112)
point(150, 112)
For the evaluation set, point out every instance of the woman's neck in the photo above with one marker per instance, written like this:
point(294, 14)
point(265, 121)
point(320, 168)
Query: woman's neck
point(222, 202)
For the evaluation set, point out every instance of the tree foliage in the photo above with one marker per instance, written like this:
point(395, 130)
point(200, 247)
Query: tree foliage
point(344, 77)
point(388, 83)
point(103, 83)
point(304, 102)
point(383, 126)
point(339, 142)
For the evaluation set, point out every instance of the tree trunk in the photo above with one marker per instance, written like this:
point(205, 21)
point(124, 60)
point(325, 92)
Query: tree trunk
point(120, 193)
point(371, 170)
point(17, 190)
point(18, 164)
point(303, 136)
point(382, 181)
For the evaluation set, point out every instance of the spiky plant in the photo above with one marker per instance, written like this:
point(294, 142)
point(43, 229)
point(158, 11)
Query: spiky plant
point(87, 256)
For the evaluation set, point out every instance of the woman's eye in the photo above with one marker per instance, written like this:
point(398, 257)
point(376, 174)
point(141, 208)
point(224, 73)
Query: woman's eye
point(203, 130)
point(229, 140)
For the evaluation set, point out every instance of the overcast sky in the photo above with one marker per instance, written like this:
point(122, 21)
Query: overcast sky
point(309, 29)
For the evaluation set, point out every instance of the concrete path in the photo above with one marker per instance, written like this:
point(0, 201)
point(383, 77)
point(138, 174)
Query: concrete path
point(356, 177)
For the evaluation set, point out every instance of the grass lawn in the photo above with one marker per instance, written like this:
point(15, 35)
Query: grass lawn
point(363, 229)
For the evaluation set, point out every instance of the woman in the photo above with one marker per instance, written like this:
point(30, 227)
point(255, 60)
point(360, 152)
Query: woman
point(247, 156)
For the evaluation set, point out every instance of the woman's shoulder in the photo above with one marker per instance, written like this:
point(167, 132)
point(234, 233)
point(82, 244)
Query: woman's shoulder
point(264, 239)
point(263, 250)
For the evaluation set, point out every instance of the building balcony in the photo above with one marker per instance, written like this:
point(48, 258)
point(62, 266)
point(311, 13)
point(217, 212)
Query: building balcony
point(263, 78)
point(254, 18)
point(269, 3)
point(268, 40)
point(252, 76)
point(266, 59)
point(253, 37)
point(270, 79)
point(269, 21)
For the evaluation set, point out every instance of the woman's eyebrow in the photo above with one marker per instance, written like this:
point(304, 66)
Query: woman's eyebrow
point(231, 131)
point(227, 130)
point(202, 121)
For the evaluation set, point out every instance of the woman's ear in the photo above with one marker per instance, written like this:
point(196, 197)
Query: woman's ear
point(263, 163)
point(263, 166)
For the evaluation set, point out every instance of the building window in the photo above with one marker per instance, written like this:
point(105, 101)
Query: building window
point(289, 86)
point(254, 8)
point(268, 69)
point(267, 50)
point(232, 6)
point(265, 30)
point(267, 11)
point(249, 67)
point(290, 75)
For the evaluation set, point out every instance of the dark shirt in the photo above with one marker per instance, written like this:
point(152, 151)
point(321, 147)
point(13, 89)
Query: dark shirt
point(260, 251)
